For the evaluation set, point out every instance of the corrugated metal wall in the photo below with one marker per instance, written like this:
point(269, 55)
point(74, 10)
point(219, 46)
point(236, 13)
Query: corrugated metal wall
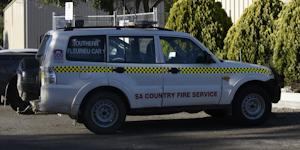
point(39, 22)
point(235, 8)
point(40, 19)
point(14, 25)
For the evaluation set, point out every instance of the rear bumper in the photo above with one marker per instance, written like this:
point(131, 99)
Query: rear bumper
point(57, 98)
point(52, 107)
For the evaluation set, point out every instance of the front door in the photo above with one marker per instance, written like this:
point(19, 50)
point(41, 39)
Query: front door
point(188, 80)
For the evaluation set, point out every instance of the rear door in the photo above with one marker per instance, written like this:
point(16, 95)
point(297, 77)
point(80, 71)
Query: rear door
point(132, 67)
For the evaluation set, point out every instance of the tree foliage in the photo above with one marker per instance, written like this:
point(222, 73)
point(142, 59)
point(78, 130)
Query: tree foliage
point(203, 19)
point(168, 4)
point(286, 43)
point(251, 33)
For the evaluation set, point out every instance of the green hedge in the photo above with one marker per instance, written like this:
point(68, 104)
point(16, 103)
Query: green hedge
point(203, 19)
point(286, 43)
point(251, 33)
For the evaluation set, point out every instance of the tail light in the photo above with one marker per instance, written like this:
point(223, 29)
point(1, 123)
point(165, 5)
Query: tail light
point(48, 76)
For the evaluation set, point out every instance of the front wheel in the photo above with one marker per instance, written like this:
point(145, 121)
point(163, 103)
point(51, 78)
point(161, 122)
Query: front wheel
point(104, 112)
point(252, 105)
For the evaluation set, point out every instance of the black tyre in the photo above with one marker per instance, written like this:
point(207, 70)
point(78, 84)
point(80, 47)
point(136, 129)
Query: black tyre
point(14, 99)
point(252, 105)
point(216, 112)
point(104, 112)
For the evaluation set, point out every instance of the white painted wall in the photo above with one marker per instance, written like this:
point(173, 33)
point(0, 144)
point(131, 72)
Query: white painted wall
point(235, 8)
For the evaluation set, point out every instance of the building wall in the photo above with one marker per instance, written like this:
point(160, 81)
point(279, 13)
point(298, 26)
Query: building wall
point(40, 19)
point(25, 23)
point(235, 8)
point(14, 25)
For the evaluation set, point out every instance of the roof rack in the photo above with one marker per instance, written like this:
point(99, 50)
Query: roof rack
point(116, 27)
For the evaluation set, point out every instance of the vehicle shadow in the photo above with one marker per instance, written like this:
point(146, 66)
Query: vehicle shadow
point(207, 123)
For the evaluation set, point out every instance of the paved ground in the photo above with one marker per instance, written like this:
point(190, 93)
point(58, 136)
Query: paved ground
point(289, 100)
point(177, 131)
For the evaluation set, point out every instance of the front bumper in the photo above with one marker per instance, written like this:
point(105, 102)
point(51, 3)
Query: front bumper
point(274, 90)
point(274, 87)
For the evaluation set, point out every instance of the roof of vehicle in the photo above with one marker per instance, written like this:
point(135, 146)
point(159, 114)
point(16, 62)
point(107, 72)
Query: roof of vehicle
point(117, 27)
point(19, 51)
point(118, 30)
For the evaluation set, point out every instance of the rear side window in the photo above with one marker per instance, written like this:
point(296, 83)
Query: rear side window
point(40, 56)
point(132, 49)
point(86, 48)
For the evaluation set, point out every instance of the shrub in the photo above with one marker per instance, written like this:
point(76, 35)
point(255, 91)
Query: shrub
point(251, 33)
point(203, 19)
point(286, 43)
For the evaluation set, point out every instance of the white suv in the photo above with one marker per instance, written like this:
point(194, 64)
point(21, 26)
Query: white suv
point(99, 75)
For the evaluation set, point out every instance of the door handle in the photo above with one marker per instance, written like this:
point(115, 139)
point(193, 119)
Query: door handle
point(119, 70)
point(174, 70)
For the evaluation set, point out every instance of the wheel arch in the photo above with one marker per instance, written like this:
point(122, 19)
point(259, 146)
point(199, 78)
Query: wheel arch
point(252, 103)
point(103, 88)
point(262, 84)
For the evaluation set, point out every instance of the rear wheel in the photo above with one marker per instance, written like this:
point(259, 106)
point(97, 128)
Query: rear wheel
point(104, 112)
point(13, 96)
point(252, 105)
point(14, 99)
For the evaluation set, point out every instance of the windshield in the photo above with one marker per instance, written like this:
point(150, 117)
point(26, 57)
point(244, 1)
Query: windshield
point(43, 48)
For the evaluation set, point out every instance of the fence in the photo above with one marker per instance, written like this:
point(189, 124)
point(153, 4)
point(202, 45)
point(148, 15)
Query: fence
point(104, 20)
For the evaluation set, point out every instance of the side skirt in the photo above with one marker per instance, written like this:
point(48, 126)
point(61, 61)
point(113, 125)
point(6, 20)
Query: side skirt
point(177, 109)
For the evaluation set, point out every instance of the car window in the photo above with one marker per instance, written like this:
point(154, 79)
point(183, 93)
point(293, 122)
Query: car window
point(86, 48)
point(180, 50)
point(131, 49)
point(43, 48)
